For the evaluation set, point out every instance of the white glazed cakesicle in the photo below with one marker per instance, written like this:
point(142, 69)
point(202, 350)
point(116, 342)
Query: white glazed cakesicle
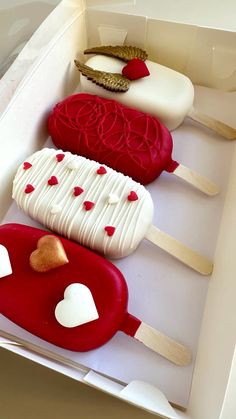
point(93, 205)
point(80, 203)
point(165, 93)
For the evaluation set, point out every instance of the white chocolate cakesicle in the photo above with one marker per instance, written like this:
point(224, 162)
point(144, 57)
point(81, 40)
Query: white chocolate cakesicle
point(166, 93)
point(93, 205)
point(62, 208)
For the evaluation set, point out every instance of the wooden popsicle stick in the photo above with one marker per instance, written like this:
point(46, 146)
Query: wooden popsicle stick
point(225, 130)
point(165, 346)
point(196, 180)
point(179, 251)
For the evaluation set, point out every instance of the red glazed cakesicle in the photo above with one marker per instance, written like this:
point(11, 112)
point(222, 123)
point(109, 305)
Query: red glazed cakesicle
point(93, 205)
point(78, 305)
point(126, 139)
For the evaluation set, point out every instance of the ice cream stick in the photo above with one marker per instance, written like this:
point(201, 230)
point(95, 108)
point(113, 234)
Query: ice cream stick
point(179, 251)
point(225, 130)
point(165, 346)
point(196, 180)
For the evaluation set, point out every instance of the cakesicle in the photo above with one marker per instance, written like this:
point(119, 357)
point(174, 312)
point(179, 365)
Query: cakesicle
point(32, 299)
point(93, 205)
point(128, 140)
point(165, 93)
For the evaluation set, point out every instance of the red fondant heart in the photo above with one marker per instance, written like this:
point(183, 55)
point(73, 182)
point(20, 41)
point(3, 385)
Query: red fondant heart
point(52, 181)
point(135, 69)
point(110, 230)
point(27, 165)
point(78, 191)
point(88, 205)
point(60, 157)
point(101, 170)
point(132, 196)
point(29, 188)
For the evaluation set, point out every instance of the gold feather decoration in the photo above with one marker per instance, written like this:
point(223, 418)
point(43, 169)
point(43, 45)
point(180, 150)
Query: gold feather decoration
point(114, 82)
point(123, 52)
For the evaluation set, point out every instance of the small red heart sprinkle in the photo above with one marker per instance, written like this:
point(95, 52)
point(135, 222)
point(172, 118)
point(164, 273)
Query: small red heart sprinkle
point(60, 157)
point(101, 170)
point(132, 196)
point(52, 181)
point(78, 191)
point(29, 188)
point(110, 230)
point(27, 165)
point(135, 69)
point(88, 205)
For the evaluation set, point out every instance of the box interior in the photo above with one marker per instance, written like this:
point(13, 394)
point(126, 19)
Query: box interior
point(199, 14)
point(176, 294)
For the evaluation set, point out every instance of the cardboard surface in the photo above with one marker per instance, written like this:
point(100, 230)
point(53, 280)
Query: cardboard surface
point(30, 390)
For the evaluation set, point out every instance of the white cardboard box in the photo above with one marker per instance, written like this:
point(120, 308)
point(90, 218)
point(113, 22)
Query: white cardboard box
point(43, 74)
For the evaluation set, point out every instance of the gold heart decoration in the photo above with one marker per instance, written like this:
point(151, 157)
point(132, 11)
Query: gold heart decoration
point(50, 254)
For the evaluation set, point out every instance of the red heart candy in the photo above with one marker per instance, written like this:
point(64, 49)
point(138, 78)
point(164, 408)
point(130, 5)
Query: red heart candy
point(29, 188)
point(110, 230)
point(101, 170)
point(88, 205)
point(27, 165)
point(78, 191)
point(132, 196)
point(52, 181)
point(135, 69)
point(60, 157)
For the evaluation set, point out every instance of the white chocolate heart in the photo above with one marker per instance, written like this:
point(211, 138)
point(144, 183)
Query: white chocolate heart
point(73, 165)
point(5, 264)
point(112, 199)
point(55, 209)
point(78, 306)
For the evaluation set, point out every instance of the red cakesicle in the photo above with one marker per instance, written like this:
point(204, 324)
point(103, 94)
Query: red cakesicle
point(29, 298)
point(126, 139)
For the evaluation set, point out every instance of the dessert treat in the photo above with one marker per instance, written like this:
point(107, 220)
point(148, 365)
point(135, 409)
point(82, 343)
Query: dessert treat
point(78, 306)
point(166, 94)
point(128, 140)
point(93, 205)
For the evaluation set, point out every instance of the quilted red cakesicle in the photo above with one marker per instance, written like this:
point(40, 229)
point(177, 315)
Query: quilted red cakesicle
point(29, 297)
point(126, 139)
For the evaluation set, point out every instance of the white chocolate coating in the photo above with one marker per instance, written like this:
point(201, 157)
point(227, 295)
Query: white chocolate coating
point(131, 219)
point(165, 93)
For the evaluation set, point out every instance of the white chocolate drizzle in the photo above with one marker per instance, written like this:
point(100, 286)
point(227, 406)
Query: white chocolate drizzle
point(131, 219)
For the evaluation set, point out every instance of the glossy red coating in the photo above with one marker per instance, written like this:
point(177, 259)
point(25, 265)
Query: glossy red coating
point(29, 298)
